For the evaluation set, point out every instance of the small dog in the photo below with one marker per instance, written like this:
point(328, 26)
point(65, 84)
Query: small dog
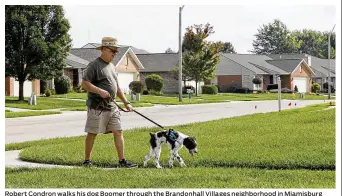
point(175, 141)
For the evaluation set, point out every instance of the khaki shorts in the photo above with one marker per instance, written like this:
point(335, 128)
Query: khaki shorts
point(103, 121)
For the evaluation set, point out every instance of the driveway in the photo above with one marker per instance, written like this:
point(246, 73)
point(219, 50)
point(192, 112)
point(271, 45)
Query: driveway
point(72, 123)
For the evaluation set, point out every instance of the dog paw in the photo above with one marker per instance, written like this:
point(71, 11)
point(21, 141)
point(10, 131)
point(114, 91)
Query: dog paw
point(170, 166)
point(159, 167)
point(183, 165)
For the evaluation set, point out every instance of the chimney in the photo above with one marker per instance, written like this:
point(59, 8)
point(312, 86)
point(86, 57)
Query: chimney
point(309, 60)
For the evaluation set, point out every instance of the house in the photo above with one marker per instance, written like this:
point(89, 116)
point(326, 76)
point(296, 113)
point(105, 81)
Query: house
point(240, 69)
point(127, 64)
point(319, 66)
point(12, 87)
point(163, 64)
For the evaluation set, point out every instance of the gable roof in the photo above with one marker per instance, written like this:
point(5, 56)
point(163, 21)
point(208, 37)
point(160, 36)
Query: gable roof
point(158, 62)
point(288, 65)
point(90, 54)
point(256, 63)
point(317, 64)
point(73, 61)
point(135, 50)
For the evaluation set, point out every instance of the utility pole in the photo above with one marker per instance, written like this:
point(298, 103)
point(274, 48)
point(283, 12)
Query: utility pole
point(180, 55)
point(329, 88)
point(279, 92)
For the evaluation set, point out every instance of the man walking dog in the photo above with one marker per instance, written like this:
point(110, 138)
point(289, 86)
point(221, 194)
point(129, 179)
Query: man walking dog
point(103, 116)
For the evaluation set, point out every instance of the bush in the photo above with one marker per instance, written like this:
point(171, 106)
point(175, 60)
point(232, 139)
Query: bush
point(295, 89)
point(153, 92)
point(79, 89)
point(184, 89)
point(53, 91)
point(154, 82)
point(272, 86)
point(242, 90)
point(231, 89)
point(256, 80)
point(136, 87)
point(316, 87)
point(47, 93)
point(209, 89)
point(145, 92)
point(286, 90)
point(261, 91)
point(43, 86)
point(325, 87)
point(62, 84)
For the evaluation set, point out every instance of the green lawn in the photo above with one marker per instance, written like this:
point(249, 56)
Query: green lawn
point(167, 178)
point(291, 149)
point(29, 113)
point(43, 103)
point(172, 99)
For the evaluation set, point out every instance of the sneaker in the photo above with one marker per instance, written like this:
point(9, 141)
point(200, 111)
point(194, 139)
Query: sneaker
point(125, 163)
point(87, 163)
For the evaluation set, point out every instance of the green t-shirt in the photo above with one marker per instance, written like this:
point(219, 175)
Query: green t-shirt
point(103, 75)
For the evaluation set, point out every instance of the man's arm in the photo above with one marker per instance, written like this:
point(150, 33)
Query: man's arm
point(94, 89)
point(122, 96)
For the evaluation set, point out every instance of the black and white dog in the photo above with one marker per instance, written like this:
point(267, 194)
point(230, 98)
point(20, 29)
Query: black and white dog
point(175, 141)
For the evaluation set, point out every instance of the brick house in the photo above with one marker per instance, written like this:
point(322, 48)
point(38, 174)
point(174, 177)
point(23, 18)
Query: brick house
point(162, 64)
point(240, 69)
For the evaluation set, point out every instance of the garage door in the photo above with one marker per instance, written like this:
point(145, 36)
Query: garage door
point(27, 88)
point(301, 83)
point(124, 80)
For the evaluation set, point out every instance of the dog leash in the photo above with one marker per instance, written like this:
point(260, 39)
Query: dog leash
point(137, 113)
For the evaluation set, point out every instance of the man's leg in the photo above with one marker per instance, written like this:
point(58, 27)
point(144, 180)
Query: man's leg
point(119, 143)
point(89, 142)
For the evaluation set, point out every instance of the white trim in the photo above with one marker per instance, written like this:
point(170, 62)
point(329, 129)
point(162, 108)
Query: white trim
point(135, 58)
point(303, 61)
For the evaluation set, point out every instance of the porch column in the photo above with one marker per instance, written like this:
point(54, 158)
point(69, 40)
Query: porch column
point(79, 71)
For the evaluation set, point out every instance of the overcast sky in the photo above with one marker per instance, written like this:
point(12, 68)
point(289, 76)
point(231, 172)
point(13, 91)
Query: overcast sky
point(155, 28)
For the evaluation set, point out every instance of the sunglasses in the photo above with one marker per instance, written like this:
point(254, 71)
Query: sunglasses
point(114, 51)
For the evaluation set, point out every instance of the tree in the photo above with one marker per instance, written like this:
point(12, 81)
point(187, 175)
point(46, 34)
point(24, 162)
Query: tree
point(274, 38)
point(201, 57)
point(36, 42)
point(227, 48)
point(315, 43)
point(169, 50)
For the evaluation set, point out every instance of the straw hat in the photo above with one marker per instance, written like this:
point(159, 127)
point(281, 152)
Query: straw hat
point(108, 42)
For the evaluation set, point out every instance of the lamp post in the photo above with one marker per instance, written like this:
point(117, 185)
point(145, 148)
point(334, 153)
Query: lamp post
point(279, 92)
point(180, 55)
point(329, 88)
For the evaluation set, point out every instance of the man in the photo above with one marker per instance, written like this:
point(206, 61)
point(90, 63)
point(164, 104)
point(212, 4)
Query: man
point(103, 116)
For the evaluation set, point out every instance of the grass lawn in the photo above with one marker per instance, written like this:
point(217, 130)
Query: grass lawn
point(291, 149)
point(172, 99)
point(43, 103)
point(29, 113)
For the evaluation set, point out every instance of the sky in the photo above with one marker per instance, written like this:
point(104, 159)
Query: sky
point(155, 28)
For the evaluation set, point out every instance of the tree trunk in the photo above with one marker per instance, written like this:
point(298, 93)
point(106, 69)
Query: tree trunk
point(196, 87)
point(21, 90)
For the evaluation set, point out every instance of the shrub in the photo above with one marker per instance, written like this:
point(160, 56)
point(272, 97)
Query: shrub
point(79, 89)
point(325, 87)
point(184, 90)
point(153, 92)
point(231, 89)
point(145, 92)
point(295, 89)
point(53, 91)
point(154, 82)
point(256, 80)
point(209, 89)
point(272, 86)
point(47, 92)
point(242, 90)
point(286, 90)
point(43, 86)
point(316, 87)
point(136, 87)
point(62, 84)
